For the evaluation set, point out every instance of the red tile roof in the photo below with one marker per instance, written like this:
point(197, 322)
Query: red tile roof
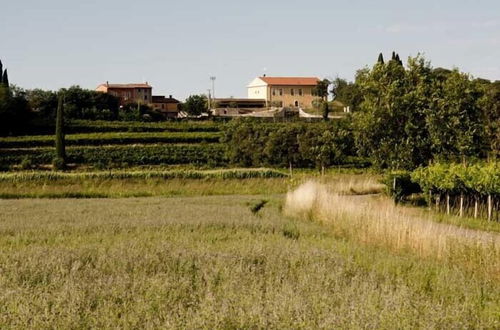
point(291, 81)
point(126, 85)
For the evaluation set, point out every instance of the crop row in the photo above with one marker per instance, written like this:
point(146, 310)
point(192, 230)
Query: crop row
point(198, 154)
point(90, 126)
point(142, 174)
point(111, 138)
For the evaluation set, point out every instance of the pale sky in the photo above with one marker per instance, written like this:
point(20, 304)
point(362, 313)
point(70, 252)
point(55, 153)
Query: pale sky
point(177, 45)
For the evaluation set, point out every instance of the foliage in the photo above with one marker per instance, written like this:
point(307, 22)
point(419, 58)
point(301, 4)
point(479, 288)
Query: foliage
point(480, 178)
point(196, 154)
point(195, 105)
point(112, 138)
point(321, 89)
point(400, 124)
point(240, 174)
point(15, 114)
point(348, 93)
point(297, 144)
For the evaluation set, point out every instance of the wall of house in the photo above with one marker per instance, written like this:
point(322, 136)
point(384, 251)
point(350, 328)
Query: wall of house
point(289, 95)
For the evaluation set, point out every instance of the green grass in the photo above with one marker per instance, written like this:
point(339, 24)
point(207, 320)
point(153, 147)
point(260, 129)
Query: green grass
point(209, 262)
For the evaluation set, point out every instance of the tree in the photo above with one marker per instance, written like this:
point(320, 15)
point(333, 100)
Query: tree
point(60, 160)
point(5, 79)
point(195, 105)
point(490, 104)
point(15, 113)
point(380, 58)
point(454, 120)
point(325, 109)
point(390, 127)
point(348, 93)
point(321, 89)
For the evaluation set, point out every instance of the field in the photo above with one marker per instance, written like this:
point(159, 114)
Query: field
point(192, 262)
point(147, 231)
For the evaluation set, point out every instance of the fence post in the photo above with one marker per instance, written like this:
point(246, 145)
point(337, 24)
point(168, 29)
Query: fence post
point(475, 207)
point(448, 203)
point(490, 207)
point(461, 205)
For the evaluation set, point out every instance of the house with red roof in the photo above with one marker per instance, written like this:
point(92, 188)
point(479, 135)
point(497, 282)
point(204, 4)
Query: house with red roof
point(129, 93)
point(295, 92)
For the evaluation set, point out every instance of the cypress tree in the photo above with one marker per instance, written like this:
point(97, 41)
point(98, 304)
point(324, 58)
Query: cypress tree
point(398, 60)
point(380, 58)
point(1, 71)
point(325, 110)
point(5, 79)
point(393, 55)
point(60, 160)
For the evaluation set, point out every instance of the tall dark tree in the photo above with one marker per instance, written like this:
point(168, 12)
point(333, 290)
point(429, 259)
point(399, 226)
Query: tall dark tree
point(5, 78)
point(1, 71)
point(380, 58)
point(60, 160)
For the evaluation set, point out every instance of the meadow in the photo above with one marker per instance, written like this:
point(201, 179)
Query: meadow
point(210, 262)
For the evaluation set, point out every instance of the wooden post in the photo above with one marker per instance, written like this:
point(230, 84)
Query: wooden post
point(430, 199)
point(475, 207)
point(448, 203)
point(490, 207)
point(461, 205)
point(291, 170)
point(438, 200)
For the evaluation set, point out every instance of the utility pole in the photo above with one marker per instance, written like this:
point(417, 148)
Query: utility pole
point(213, 85)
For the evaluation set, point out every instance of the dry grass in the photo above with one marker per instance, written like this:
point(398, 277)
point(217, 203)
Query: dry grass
point(377, 221)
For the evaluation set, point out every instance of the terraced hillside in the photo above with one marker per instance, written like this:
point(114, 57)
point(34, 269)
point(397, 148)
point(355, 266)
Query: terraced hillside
point(120, 144)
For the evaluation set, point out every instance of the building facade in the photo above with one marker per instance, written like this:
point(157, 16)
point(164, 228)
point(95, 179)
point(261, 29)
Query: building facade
point(295, 92)
point(168, 106)
point(129, 93)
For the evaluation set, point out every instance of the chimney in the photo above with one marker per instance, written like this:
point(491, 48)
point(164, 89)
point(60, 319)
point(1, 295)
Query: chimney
point(264, 75)
point(107, 83)
point(170, 96)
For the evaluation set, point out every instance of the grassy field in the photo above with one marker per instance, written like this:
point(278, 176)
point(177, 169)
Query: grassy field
point(210, 262)
point(173, 182)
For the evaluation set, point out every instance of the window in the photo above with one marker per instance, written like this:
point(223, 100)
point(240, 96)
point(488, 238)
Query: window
point(300, 92)
point(145, 97)
point(274, 92)
point(292, 92)
point(281, 92)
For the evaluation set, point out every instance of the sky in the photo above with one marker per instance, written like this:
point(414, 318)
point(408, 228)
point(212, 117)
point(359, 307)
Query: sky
point(177, 45)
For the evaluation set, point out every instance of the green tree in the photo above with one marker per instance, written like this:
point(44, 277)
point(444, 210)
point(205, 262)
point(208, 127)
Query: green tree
point(195, 105)
point(348, 93)
point(454, 120)
point(60, 159)
point(321, 89)
point(390, 126)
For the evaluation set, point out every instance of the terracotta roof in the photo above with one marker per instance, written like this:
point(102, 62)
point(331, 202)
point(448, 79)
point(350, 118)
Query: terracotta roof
point(289, 81)
point(126, 85)
point(163, 99)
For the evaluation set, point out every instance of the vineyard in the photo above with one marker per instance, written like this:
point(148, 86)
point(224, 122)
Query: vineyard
point(463, 190)
point(120, 144)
